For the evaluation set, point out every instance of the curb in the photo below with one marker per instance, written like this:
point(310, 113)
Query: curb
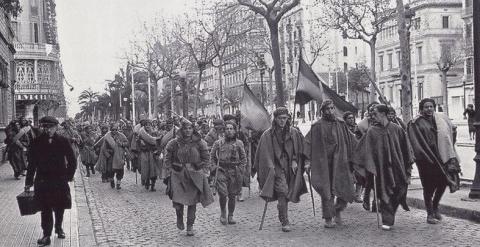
point(461, 213)
point(86, 234)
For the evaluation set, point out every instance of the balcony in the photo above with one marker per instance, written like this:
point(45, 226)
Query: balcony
point(36, 51)
point(37, 89)
point(467, 12)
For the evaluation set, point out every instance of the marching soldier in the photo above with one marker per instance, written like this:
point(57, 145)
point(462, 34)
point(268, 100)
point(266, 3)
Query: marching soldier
point(147, 148)
point(279, 161)
point(328, 148)
point(228, 159)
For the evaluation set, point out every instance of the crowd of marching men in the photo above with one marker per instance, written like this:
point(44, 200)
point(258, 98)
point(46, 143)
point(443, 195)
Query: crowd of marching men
point(344, 162)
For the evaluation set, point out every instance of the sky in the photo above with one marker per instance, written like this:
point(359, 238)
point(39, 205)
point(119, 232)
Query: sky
point(94, 36)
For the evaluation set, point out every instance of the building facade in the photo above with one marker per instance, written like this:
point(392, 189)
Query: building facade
point(436, 29)
point(7, 75)
point(466, 91)
point(39, 77)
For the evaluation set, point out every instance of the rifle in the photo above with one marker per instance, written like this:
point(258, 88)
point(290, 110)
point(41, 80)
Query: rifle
point(263, 216)
point(216, 175)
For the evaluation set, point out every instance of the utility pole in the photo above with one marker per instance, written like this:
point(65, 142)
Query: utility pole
point(475, 189)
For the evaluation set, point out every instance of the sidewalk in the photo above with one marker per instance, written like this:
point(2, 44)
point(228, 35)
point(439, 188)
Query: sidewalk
point(452, 204)
point(16, 230)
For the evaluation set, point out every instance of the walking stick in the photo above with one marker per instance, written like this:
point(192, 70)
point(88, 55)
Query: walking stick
point(376, 201)
point(216, 175)
point(263, 216)
point(311, 192)
point(136, 179)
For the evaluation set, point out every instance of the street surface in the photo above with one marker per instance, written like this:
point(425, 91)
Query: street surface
point(135, 217)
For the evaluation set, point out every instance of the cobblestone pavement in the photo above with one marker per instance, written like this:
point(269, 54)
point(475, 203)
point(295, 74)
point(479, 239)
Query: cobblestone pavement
point(16, 230)
point(134, 217)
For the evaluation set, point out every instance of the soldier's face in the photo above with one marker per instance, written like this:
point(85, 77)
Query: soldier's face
point(188, 130)
point(378, 116)
point(50, 130)
point(230, 131)
point(281, 120)
point(329, 110)
point(428, 109)
point(391, 116)
point(350, 119)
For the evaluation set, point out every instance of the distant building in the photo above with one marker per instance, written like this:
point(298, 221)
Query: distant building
point(7, 75)
point(466, 91)
point(39, 76)
point(436, 27)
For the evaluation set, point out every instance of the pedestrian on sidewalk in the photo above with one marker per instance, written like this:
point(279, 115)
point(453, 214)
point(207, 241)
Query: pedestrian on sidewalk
point(385, 152)
point(229, 154)
point(52, 166)
point(328, 150)
point(14, 151)
point(279, 161)
point(186, 156)
point(469, 113)
point(438, 165)
point(147, 146)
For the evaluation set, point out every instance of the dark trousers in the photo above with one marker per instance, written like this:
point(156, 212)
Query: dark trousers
point(330, 207)
point(118, 173)
point(191, 210)
point(434, 184)
point(389, 209)
point(47, 220)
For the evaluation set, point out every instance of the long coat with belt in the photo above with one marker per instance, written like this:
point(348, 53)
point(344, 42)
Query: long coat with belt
point(53, 164)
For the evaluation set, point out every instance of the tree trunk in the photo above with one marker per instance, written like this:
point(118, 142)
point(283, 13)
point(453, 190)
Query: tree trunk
point(155, 98)
point(184, 97)
point(277, 63)
point(373, 94)
point(405, 69)
point(270, 88)
point(220, 81)
point(445, 91)
point(197, 93)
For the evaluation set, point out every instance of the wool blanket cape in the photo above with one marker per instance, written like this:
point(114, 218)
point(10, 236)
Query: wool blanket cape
point(268, 152)
point(339, 181)
point(385, 152)
point(441, 153)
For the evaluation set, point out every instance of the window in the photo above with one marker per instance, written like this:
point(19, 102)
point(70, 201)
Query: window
point(3, 94)
point(468, 3)
point(35, 32)
point(445, 21)
point(419, 55)
point(399, 58)
point(390, 61)
point(420, 90)
point(345, 67)
point(380, 62)
point(469, 66)
point(345, 51)
point(417, 23)
point(356, 50)
point(34, 7)
point(468, 30)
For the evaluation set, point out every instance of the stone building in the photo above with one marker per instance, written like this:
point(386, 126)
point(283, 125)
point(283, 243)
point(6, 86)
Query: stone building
point(436, 28)
point(39, 77)
point(7, 75)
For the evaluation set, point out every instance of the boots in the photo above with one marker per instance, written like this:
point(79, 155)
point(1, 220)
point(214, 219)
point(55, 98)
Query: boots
point(88, 172)
point(93, 169)
point(147, 184)
point(112, 183)
point(152, 185)
point(223, 210)
point(179, 212)
point(191, 219)
point(329, 223)
point(118, 184)
point(358, 193)
point(430, 216)
point(338, 218)
point(231, 209)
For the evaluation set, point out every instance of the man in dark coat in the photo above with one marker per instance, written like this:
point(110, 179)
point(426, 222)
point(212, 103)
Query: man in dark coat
point(279, 161)
point(53, 165)
point(385, 152)
point(437, 161)
point(328, 149)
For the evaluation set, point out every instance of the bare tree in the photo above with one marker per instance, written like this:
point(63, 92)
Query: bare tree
point(450, 56)
point(273, 11)
point(358, 19)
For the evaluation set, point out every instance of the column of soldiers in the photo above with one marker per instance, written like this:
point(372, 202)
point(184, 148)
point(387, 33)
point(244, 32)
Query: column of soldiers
point(343, 160)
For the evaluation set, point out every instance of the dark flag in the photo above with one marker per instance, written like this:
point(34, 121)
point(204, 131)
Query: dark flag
point(309, 86)
point(254, 114)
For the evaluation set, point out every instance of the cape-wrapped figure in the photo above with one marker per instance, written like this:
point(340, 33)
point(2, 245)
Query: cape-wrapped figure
point(438, 165)
point(385, 152)
point(279, 160)
point(328, 148)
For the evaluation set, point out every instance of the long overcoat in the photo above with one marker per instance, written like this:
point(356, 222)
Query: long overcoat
point(52, 165)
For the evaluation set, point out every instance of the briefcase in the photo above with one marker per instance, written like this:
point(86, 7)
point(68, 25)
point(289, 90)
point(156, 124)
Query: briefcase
point(27, 203)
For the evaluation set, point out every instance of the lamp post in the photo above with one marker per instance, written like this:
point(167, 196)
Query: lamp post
point(475, 189)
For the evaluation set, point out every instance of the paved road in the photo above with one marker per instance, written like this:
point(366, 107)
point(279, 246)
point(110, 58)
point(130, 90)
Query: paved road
point(135, 217)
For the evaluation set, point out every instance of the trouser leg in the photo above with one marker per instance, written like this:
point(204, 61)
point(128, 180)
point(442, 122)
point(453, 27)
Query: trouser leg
point(47, 221)
point(59, 217)
point(152, 183)
point(119, 173)
point(340, 205)
point(179, 208)
point(191, 215)
point(428, 191)
point(282, 207)
point(223, 206)
point(328, 208)
point(231, 205)
point(438, 196)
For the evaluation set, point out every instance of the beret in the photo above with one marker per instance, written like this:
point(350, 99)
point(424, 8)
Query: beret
point(280, 111)
point(48, 120)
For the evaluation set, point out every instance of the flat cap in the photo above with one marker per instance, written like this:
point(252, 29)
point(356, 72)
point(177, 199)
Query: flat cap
point(48, 121)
